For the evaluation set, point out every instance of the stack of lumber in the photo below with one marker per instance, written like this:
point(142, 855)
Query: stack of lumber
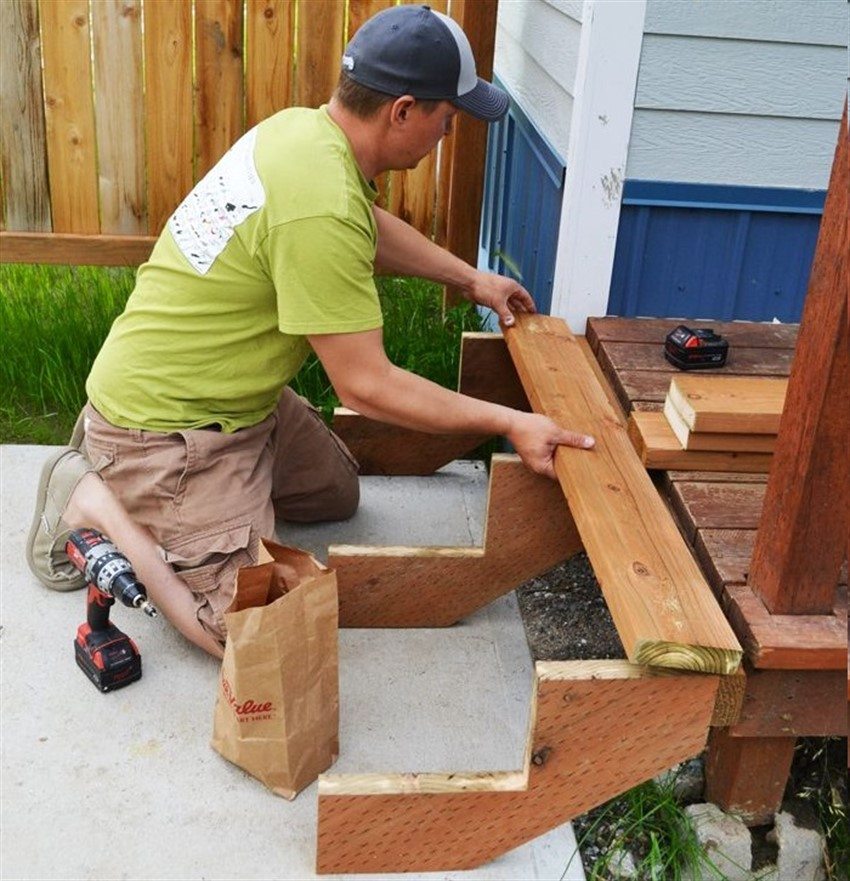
point(708, 423)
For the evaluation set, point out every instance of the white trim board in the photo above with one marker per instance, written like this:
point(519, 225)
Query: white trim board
point(609, 55)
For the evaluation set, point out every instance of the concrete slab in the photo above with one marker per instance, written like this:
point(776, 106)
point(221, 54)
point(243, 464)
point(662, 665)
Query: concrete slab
point(125, 785)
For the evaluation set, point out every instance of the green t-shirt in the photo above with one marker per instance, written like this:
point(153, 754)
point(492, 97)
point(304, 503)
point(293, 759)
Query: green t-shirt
point(276, 242)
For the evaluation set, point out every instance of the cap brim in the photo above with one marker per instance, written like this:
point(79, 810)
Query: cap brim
point(485, 101)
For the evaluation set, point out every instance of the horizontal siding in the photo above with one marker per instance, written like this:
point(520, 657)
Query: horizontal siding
point(730, 149)
point(741, 76)
point(817, 22)
point(573, 9)
point(546, 35)
point(547, 101)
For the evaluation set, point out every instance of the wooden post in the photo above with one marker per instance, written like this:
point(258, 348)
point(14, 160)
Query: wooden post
point(469, 142)
point(806, 519)
point(747, 775)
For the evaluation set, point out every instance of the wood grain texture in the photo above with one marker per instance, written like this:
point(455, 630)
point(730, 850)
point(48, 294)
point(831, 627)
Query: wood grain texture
point(381, 448)
point(729, 404)
point(320, 44)
point(746, 775)
point(661, 604)
point(788, 642)
point(23, 148)
point(730, 699)
point(488, 373)
point(712, 440)
point(117, 28)
point(435, 587)
point(168, 108)
point(218, 86)
point(793, 703)
point(71, 149)
point(652, 331)
point(804, 539)
point(741, 361)
point(22, 247)
point(269, 58)
point(703, 505)
point(597, 728)
point(659, 448)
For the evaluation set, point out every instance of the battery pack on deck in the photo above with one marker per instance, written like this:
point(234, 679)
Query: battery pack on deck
point(690, 349)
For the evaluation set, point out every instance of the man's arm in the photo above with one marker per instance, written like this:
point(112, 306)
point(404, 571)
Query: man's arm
point(405, 251)
point(366, 381)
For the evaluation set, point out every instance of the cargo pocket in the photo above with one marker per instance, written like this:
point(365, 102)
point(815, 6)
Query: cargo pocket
point(207, 562)
point(99, 453)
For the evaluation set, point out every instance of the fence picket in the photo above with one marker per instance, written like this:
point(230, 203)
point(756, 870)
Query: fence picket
point(320, 30)
point(268, 59)
point(69, 114)
point(23, 148)
point(142, 142)
point(117, 30)
point(168, 107)
point(218, 45)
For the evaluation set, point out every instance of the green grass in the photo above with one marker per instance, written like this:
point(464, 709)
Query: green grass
point(54, 319)
point(650, 824)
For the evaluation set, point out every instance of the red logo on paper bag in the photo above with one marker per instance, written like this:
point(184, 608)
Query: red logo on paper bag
point(249, 710)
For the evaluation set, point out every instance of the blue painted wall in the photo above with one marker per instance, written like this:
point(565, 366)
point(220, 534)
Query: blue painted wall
point(522, 205)
point(721, 252)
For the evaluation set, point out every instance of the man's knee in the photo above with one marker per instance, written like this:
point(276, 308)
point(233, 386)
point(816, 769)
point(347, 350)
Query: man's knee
point(336, 501)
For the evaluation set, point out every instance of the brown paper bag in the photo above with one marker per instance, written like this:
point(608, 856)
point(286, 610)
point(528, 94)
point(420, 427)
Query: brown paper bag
point(277, 713)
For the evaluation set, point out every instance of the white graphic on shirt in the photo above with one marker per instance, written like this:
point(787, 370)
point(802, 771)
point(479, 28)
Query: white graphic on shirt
point(204, 222)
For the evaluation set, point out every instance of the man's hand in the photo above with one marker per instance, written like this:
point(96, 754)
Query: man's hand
point(536, 438)
point(503, 295)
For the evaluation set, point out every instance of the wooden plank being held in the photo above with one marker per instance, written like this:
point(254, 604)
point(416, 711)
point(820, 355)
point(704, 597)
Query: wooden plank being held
point(661, 604)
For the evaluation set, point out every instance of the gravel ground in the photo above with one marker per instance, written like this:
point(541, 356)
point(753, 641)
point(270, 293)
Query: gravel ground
point(565, 615)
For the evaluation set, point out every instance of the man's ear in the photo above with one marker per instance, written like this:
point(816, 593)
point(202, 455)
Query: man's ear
point(400, 109)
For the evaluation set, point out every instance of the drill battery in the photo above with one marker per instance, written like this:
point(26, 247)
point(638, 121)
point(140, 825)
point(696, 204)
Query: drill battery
point(108, 657)
point(690, 349)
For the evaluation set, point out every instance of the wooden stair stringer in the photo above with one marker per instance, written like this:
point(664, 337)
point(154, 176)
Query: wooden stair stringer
point(596, 729)
point(528, 530)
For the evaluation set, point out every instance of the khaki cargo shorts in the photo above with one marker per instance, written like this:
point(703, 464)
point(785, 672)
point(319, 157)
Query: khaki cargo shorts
point(208, 497)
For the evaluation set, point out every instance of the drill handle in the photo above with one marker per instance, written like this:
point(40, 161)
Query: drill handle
point(98, 605)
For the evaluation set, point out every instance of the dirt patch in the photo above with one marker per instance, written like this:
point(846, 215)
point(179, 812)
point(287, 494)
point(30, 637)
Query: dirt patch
point(565, 615)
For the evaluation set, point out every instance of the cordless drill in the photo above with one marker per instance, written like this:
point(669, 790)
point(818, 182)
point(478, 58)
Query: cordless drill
point(106, 655)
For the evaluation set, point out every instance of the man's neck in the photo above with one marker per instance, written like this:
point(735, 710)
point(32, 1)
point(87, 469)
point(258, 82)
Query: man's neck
point(364, 137)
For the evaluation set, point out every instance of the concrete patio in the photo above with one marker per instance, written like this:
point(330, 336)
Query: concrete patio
point(125, 785)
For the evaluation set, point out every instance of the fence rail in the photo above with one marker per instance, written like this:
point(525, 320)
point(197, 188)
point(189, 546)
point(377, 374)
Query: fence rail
point(112, 109)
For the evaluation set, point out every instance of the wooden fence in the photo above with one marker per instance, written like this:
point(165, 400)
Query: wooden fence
point(112, 109)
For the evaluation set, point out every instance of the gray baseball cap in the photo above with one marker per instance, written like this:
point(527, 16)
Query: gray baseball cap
point(413, 50)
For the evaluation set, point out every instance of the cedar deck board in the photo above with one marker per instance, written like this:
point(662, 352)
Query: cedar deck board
point(716, 505)
point(597, 728)
point(661, 605)
point(659, 449)
point(739, 404)
point(739, 362)
point(648, 330)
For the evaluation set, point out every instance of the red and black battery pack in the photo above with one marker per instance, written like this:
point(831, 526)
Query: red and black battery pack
point(108, 657)
point(690, 349)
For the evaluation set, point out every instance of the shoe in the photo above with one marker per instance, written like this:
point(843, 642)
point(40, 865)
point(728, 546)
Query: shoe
point(46, 542)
